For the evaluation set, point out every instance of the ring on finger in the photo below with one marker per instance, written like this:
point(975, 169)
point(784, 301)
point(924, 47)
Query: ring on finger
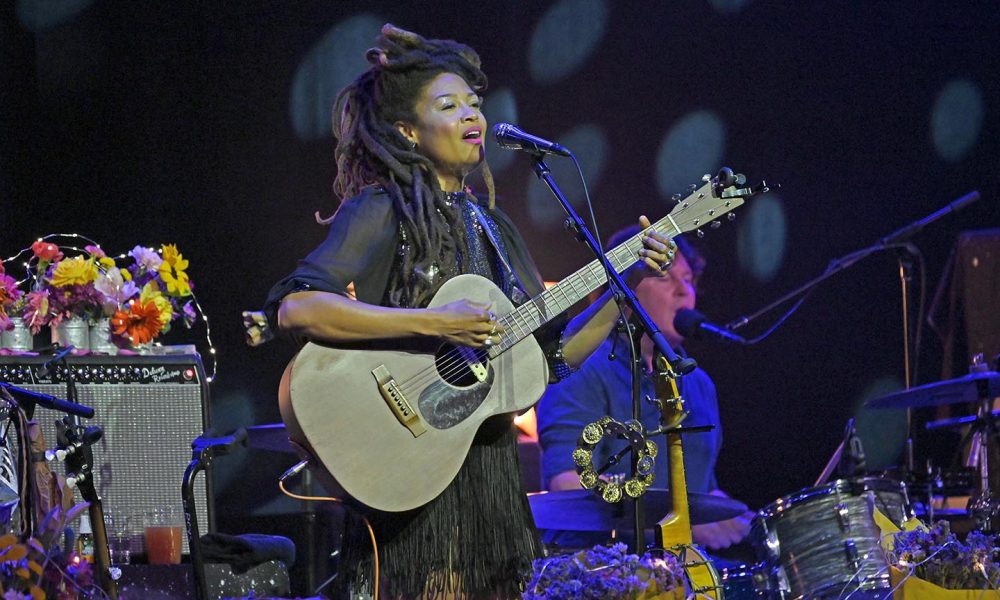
point(494, 330)
point(488, 342)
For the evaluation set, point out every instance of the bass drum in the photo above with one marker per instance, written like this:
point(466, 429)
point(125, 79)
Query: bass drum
point(822, 542)
point(703, 579)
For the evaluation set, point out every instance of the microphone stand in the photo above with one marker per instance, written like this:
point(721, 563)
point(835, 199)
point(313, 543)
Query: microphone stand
point(897, 240)
point(622, 294)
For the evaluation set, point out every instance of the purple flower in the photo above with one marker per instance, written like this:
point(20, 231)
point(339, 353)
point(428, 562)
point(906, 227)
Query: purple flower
point(146, 258)
point(190, 315)
point(602, 573)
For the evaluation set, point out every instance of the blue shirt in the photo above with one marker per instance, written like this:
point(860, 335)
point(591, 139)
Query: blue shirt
point(602, 387)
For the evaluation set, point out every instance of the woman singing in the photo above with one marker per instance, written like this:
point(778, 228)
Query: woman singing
point(409, 131)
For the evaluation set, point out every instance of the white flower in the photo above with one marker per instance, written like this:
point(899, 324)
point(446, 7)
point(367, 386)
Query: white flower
point(115, 289)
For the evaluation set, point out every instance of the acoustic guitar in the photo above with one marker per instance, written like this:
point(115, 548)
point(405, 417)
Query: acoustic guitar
point(392, 421)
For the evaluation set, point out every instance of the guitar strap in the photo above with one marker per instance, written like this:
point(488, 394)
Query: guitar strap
point(518, 295)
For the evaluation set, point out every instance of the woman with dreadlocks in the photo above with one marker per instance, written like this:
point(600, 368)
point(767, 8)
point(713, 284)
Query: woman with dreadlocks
point(409, 132)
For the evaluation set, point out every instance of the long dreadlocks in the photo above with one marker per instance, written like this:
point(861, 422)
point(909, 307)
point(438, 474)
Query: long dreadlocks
point(371, 151)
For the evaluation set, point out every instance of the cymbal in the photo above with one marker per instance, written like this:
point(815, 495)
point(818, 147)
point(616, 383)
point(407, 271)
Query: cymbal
point(968, 389)
point(583, 510)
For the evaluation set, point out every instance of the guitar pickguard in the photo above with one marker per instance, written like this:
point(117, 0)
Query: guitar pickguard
point(443, 405)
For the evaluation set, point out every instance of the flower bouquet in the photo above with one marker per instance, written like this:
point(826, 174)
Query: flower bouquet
point(139, 300)
point(10, 299)
point(607, 573)
point(934, 563)
point(144, 298)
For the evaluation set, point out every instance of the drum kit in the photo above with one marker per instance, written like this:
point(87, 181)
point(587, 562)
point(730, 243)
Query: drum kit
point(821, 541)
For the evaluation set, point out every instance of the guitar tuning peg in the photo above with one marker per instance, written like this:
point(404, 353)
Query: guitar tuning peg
point(731, 216)
point(706, 178)
point(676, 198)
point(716, 224)
point(692, 187)
point(700, 233)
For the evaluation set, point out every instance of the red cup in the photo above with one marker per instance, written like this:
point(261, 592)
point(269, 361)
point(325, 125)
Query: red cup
point(163, 538)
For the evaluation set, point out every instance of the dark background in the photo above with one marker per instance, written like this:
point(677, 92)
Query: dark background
point(143, 122)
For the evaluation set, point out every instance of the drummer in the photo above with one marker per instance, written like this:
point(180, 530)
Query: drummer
point(603, 387)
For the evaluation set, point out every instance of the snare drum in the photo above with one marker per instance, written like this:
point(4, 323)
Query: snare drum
point(822, 542)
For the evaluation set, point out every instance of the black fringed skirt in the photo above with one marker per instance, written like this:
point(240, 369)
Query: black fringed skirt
point(476, 540)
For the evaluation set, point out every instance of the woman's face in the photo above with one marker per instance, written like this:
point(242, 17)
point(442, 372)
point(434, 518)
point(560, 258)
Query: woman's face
point(449, 129)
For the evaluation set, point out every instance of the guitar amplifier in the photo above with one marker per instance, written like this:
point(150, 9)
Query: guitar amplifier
point(150, 407)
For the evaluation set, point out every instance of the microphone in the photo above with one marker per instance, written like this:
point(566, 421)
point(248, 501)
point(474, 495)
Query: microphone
point(693, 324)
point(47, 401)
point(510, 137)
point(48, 365)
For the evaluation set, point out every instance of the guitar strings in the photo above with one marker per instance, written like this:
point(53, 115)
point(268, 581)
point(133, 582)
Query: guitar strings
point(453, 361)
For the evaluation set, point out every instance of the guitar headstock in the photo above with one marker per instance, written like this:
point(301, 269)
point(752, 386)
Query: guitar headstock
point(716, 196)
point(79, 457)
point(668, 395)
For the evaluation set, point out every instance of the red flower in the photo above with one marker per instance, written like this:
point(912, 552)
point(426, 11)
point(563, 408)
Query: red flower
point(46, 251)
point(140, 323)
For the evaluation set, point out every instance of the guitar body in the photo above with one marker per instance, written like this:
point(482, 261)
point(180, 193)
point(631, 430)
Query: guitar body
point(342, 405)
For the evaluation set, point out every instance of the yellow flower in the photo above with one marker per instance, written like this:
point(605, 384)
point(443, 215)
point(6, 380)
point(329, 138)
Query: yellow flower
point(76, 270)
point(151, 293)
point(172, 271)
point(126, 275)
point(106, 262)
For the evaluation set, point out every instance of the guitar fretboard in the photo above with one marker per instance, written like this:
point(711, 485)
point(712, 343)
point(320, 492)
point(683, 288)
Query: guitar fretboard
point(694, 211)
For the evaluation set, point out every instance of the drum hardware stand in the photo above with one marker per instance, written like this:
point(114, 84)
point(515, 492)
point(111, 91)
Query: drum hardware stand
point(897, 240)
point(984, 505)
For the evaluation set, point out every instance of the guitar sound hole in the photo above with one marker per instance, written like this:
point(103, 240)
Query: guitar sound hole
point(457, 365)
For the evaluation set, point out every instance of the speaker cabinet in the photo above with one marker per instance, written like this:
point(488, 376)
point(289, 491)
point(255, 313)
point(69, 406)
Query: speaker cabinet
point(150, 407)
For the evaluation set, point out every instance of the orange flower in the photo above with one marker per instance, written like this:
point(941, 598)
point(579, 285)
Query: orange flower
point(140, 323)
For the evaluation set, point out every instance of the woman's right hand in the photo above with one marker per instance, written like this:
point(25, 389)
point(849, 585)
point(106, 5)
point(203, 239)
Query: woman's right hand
point(467, 323)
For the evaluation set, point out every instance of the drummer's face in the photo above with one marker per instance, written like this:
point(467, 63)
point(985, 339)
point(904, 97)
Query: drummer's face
point(663, 294)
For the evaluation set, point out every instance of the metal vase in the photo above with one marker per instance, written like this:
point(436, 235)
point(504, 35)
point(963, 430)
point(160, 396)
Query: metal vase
point(18, 338)
point(72, 332)
point(100, 337)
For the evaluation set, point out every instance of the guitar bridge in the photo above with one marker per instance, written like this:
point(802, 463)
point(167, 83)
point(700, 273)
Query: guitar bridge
point(397, 402)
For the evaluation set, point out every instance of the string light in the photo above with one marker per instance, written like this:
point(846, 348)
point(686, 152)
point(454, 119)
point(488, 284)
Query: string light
point(31, 261)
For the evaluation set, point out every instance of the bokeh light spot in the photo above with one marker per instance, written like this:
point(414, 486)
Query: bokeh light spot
point(692, 148)
point(957, 119)
point(762, 236)
point(882, 431)
point(590, 144)
point(500, 107)
point(565, 37)
point(39, 15)
point(329, 66)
